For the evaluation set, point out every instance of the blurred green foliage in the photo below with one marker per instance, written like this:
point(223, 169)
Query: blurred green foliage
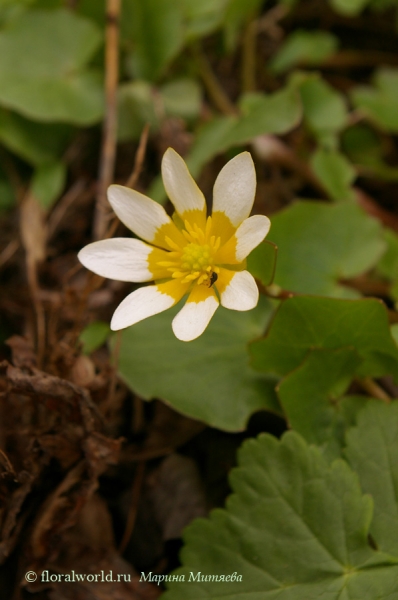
point(307, 358)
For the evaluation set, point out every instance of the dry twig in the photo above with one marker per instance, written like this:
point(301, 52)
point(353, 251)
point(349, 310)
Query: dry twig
point(139, 158)
point(34, 236)
point(69, 198)
point(108, 151)
point(374, 389)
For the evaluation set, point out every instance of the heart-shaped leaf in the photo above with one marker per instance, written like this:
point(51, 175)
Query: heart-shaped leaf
point(209, 378)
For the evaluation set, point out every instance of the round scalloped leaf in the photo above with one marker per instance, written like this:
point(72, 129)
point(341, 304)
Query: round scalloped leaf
point(208, 379)
point(379, 102)
point(43, 56)
point(310, 397)
point(372, 450)
point(37, 143)
point(261, 262)
point(294, 529)
point(335, 172)
point(319, 244)
point(304, 47)
point(158, 35)
point(305, 323)
point(325, 109)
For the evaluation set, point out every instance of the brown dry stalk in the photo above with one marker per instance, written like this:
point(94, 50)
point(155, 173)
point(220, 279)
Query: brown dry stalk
point(73, 194)
point(34, 237)
point(374, 389)
point(8, 252)
point(139, 158)
point(108, 150)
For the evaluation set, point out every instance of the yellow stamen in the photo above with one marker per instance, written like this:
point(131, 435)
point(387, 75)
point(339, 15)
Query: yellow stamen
point(167, 263)
point(171, 244)
point(192, 261)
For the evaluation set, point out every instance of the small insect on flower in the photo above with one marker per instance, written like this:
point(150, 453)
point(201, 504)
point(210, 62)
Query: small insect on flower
point(195, 255)
point(212, 279)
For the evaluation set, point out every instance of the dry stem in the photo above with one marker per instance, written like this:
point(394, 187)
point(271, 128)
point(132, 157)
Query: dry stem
point(374, 389)
point(108, 150)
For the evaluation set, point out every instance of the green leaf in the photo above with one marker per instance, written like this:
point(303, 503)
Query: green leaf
point(388, 265)
point(394, 332)
point(94, 336)
point(43, 55)
point(139, 103)
point(325, 110)
point(209, 142)
point(158, 36)
point(182, 98)
point(320, 244)
point(304, 47)
point(294, 529)
point(365, 148)
point(237, 15)
point(12, 9)
point(261, 114)
point(349, 8)
point(309, 396)
point(136, 107)
point(276, 113)
point(304, 323)
point(335, 173)
point(362, 144)
point(379, 103)
point(372, 450)
point(208, 379)
point(261, 262)
point(202, 18)
point(37, 143)
point(48, 182)
point(379, 5)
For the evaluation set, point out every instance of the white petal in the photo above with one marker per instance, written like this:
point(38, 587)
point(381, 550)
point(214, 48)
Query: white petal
point(139, 305)
point(123, 259)
point(179, 184)
point(241, 293)
point(250, 233)
point(139, 213)
point(193, 318)
point(235, 188)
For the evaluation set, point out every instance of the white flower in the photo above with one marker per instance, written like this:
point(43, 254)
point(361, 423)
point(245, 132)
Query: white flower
point(191, 254)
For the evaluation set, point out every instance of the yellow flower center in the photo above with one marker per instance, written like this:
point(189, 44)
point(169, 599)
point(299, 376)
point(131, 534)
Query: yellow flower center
point(195, 257)
point(195, 260)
